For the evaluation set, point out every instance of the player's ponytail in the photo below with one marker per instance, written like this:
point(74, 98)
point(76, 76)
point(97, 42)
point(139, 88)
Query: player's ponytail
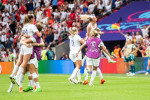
point(26, 20)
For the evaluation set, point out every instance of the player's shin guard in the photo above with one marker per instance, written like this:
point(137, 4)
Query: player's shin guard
point(30, 79)
point(92, 77)
point(19, 72)
point(99, 73)
point(21, 78)
point(73, 75)
point(14, 70)
point(34, 76)
point(79, 76)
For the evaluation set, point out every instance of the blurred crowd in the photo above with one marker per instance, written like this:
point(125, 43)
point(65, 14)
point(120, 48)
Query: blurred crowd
point(57, 17)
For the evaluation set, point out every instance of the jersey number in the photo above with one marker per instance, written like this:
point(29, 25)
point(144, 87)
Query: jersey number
point(72, 42)
point(25, 31)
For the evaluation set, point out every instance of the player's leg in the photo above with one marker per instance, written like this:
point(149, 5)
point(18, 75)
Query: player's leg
point(30, 85)
point(132, 59)
point(147, 71)
point(93, 75)
point(21, 79)
point(71, 79)
point(35, 77)
point(26, 58)
point(78, 65)
point(126, 66)
point(16, 66)
point(14, 72)
point(96, 63)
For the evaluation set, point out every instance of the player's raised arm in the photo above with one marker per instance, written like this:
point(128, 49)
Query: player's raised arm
point(121, 32)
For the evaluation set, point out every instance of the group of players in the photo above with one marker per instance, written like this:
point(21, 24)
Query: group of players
point(30, 52)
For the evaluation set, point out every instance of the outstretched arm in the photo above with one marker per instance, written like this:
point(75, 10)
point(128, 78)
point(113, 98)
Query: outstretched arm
point(121, 32)
point(106, 51)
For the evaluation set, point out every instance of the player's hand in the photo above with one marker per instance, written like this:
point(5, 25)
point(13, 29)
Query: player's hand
point(112, 57)
point(77, 54)
point(28, 45)
point(102, 33)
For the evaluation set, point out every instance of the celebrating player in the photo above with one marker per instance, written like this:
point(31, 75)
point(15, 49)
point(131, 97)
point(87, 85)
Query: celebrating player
point(129, 51)
point(75, 43)
point(93, 54)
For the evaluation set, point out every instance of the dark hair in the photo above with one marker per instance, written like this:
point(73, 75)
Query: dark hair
point(128, 33)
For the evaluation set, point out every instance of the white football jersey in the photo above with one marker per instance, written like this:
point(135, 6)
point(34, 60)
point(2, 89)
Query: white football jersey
point(29, 29)
point(75, 43)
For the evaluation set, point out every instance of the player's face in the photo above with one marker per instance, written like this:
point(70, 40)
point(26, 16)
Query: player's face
point(94, 19)
point(32, 20)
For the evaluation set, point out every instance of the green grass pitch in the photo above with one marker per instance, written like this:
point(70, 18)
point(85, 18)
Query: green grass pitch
point(57, 87)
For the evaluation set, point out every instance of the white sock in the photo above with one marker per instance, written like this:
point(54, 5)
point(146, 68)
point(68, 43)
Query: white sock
point(11, 87)
point(21, 78)
point(79, 75)
point(99, 73)
point(14, 70)
point(93, 77)
point(37, 84)
point(19, 72)
point(73, 75)
point(109, 59)
point(86, 77)
point(31, 83)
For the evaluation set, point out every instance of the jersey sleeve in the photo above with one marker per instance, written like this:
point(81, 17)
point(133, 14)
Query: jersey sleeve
point(34, 28)
point(101, 44)
point(79, 38)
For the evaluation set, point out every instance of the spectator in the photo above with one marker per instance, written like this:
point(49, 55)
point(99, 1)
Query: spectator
point(67, 57)
point(22, 17)
point(140, 50)
point(1, 46)
point(63, 56)
point(117, 51)
point(108, 4)
point(8, 43)
point(91, 7)
point(54, 4)
point(138, 37)
point(30, 7)
point(50, 54)
point(144, 30)
point(3, 38)
point(118, 3)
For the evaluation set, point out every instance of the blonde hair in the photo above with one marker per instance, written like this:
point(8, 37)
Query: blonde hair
point(72, 30)
point(39, 26)
point(86, 17)
point(27, 19)
point(95, 32)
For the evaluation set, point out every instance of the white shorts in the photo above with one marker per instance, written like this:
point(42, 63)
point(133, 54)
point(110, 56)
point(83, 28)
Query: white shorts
point(92, 62)
point(74, 58)
point(34, 61)
point(25, 50)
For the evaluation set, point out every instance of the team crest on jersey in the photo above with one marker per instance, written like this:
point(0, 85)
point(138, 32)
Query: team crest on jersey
point(93, 46)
